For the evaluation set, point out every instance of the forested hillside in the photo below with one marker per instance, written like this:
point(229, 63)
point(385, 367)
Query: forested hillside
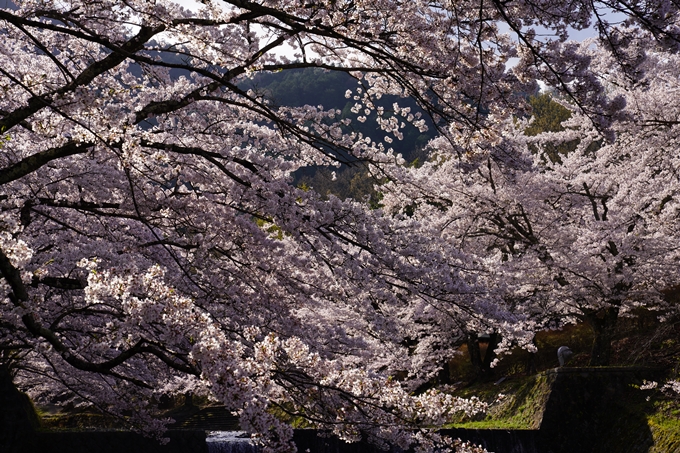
point(319, 87)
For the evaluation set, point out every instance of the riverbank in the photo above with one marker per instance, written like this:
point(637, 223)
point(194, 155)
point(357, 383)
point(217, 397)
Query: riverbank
point(564, 410)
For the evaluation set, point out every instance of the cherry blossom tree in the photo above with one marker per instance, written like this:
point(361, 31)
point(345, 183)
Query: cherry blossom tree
point(587, 235)
point(151, 241)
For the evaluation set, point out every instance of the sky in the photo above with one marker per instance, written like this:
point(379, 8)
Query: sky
point(578, 35)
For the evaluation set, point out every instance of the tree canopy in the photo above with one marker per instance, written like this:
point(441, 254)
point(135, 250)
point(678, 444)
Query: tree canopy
point(152, 238)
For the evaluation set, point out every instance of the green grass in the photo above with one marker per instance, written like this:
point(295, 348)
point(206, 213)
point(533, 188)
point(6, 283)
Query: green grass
point(520, 407)
point(492, 424)
point(665, 426)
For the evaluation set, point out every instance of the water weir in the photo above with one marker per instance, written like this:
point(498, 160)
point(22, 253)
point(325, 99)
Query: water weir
point(230, 442)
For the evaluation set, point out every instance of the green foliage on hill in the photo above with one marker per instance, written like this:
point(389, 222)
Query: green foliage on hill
point(548, 116)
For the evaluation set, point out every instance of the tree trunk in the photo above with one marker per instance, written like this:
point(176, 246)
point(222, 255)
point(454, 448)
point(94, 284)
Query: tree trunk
point(531, 367)
point(444, 375)
point(18, 420)
point(482, 365)
point(490, 355)
point(603, 324)
point(188, 399)
point(475, 354)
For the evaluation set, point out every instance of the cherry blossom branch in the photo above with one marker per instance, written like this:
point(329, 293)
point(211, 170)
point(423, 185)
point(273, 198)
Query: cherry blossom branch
point(36, 103)
point(20, 297)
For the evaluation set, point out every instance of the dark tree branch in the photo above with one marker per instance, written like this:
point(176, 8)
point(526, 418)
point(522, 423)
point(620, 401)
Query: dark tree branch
point(20, 297)
point(35, 161)
point(38, 102)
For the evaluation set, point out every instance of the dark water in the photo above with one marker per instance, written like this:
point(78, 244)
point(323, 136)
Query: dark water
point(495, 441)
